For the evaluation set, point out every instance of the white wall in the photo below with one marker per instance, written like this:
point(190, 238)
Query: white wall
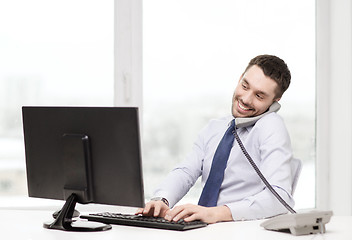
point(334, 100)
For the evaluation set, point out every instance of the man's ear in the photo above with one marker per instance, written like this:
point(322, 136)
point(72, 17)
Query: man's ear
point(277, 99)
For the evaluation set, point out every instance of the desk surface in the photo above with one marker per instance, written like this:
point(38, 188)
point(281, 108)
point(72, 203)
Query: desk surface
point(27, 224)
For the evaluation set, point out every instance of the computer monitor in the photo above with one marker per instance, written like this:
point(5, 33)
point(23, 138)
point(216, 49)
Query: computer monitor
point(83, 155)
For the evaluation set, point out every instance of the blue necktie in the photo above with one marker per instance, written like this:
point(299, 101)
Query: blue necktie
point(210, 193)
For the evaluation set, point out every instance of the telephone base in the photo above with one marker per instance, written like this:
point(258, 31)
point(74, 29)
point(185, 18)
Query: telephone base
point(299, 223)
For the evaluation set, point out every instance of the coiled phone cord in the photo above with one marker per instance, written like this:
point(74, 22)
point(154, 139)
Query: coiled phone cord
point(267, 184)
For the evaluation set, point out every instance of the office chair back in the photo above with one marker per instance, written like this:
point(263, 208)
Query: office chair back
point(296, 168)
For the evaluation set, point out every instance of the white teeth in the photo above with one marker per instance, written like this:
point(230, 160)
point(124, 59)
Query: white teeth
point(243, 107)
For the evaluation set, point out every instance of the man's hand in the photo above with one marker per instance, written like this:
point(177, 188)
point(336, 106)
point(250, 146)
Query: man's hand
point(190, 212)
point(154, 208)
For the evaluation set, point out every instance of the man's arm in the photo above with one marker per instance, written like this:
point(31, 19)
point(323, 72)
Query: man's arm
point(183, 177)
point(261, 205)
point(177, 183)
point(272, 140)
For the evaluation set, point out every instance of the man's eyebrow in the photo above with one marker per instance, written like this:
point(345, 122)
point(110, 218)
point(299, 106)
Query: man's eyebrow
point(245, 81)
point(263, 93)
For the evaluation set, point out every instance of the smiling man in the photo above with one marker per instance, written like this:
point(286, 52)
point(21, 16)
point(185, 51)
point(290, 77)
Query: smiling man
point(240, 194)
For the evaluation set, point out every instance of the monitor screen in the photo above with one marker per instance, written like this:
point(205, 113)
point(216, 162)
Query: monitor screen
point(92, 153)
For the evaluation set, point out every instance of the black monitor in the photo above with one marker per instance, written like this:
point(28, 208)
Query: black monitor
point(83, 155)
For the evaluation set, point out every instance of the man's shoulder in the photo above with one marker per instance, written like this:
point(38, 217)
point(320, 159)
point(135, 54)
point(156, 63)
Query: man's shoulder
point(270, 124)
point(270, 120)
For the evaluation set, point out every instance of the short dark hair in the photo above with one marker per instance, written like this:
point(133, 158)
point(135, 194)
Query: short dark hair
point(275, 68)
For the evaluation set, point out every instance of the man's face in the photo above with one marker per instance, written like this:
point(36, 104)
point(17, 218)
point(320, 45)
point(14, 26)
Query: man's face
point(254, 93)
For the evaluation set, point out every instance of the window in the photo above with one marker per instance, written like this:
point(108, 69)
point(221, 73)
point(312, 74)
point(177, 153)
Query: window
point(61, 53)
point(52, 53)
point(193, 55)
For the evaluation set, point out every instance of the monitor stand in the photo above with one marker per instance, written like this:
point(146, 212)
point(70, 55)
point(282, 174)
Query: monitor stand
point(65, 222)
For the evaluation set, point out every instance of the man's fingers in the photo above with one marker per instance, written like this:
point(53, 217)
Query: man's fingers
point(180, 212)
point(139, 211)
point(146, 209)
point(156, 210)
point(191, 218)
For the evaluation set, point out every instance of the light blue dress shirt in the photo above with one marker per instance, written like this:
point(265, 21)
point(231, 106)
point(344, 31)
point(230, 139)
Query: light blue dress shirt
point(242, 190)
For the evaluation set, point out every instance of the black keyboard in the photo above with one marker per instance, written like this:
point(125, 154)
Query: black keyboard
point(143, 221)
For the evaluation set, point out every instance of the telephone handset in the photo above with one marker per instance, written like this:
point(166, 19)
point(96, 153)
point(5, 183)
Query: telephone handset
point(295, 223)
point(245, 122)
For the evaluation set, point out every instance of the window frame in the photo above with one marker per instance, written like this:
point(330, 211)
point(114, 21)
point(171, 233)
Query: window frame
point(334, 138)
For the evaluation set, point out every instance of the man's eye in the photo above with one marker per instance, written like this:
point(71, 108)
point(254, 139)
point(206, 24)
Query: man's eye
point(260, 96)
point(244, 86)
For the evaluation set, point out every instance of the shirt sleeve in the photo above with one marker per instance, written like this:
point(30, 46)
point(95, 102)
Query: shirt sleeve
point(262, 205)
point(275, 158)
point(183, 177)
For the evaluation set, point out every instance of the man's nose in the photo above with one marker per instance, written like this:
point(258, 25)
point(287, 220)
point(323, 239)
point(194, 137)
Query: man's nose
point(247, 98)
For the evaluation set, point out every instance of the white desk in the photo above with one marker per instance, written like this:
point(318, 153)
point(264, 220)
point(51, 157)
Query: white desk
point(27, 224)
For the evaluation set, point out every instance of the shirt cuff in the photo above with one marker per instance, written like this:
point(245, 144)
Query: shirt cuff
point(164, 194)
point(240, 211)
